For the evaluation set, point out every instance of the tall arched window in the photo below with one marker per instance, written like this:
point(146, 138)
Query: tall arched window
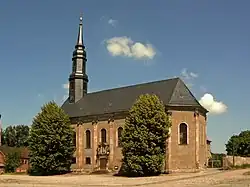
point(120, 129)
point(183, 130)
point(88, 139)
point(103, 136)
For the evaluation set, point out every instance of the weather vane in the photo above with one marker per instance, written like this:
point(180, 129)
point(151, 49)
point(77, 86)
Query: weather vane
point(81, 15)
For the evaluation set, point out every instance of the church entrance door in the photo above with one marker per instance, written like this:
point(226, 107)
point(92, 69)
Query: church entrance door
point(103, 163)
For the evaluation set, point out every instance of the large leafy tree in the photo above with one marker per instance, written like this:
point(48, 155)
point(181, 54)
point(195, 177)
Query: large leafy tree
point(15, 136)
point(51, 141)
point(10, 137)
point(22, 134)
point(144, 138)
point(239, 145)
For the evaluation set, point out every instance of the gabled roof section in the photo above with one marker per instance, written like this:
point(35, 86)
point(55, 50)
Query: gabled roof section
point(182, 96)
point(172, 92)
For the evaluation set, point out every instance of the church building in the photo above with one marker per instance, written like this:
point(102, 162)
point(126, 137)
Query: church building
point(98, 119)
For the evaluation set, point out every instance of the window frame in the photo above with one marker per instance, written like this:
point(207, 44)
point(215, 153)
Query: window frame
point(88, 139)
point(181, 134)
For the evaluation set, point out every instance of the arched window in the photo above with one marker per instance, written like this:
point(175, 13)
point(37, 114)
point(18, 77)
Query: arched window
point(183, 130)
point(88, 139)
point(103, 136)
point(120, 129)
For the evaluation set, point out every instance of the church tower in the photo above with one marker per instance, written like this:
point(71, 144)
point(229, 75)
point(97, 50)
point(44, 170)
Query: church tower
point(78, 80)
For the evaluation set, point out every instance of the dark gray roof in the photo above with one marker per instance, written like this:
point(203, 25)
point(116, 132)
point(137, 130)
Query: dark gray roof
point(172, 92)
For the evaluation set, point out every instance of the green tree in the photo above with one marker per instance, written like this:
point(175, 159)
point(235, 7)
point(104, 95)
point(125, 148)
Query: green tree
point(15, 136)
point(51, 141)
point(239, 145)
point(22, 135)
point(144, 138)
point(2, 137)
point(10, 136)
point(12, 161)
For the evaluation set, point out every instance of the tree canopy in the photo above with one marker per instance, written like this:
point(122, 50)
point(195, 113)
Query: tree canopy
point(15, 136)
point(51, 141)
point(144, 138)
point(239, 145)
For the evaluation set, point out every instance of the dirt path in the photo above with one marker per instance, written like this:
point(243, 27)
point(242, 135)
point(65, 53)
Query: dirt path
point(223, 179)
point(203, 179)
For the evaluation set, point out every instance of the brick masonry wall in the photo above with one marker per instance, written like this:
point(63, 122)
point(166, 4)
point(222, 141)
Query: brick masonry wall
point(117, 150)
point(185, 157)
point(182, 156)
point(179, 157)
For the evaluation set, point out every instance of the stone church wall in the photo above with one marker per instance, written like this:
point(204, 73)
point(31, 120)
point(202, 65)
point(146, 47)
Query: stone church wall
point(117, 157)
point(203, 141)
point(182, 156)
point(185, 157)
point(179, 157)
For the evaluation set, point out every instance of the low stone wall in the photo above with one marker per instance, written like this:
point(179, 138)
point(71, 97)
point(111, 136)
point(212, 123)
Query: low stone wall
point(228, 161)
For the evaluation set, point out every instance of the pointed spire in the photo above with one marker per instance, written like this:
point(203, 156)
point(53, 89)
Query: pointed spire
point(80, 34)
point(78, 75)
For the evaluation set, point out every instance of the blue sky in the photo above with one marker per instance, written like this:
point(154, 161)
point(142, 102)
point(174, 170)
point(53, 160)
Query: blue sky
point(207, 43)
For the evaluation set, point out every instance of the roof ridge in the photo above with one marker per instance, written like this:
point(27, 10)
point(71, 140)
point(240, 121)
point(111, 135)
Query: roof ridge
point(134, 85)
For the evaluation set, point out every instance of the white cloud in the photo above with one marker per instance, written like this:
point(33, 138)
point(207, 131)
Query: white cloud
point(193, 75)
point(124, 46)
point(66, 95)
point(188, 75)
point(66, 86)
point(112, 22)
point(213, 106)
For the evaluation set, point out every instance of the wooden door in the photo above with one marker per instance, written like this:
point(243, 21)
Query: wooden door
point(103, 163)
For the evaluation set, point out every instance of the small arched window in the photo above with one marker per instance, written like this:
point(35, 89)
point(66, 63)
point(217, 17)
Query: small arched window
point(103, 136)
point(120, 129)
point(183, 130)
point(88, 139)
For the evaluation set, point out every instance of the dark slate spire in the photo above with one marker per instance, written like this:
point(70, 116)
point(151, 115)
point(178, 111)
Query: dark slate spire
point(78, 80)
